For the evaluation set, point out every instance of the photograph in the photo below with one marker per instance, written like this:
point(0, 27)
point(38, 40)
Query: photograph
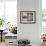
point(27, 17)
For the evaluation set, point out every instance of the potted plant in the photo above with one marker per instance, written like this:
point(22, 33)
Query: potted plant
point(1, 22)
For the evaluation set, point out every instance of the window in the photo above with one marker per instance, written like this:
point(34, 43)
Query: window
point(1, 9)
point(43, 12)
point(44, 16)
point(8, 11)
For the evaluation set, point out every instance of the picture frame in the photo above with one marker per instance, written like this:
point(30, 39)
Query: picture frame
point(27, 17)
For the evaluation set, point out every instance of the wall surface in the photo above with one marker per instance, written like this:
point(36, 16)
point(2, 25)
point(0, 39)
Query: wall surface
point(30, 31)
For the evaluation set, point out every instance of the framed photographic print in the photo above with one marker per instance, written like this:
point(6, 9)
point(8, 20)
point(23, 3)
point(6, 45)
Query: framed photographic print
point(27, 17)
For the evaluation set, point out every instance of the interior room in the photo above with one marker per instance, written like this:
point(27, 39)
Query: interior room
point(22, 22)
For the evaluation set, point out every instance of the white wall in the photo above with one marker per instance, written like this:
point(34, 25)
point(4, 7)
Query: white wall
point(30, 31)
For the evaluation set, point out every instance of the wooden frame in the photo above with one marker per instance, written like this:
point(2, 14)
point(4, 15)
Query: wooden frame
point(27, 17)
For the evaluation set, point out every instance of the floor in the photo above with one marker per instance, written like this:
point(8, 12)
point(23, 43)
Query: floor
point(2, 43)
